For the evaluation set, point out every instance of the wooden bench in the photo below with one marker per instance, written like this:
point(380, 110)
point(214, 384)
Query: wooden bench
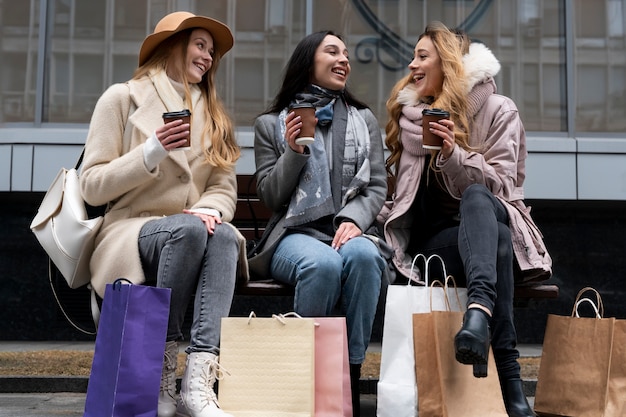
point(251, 217)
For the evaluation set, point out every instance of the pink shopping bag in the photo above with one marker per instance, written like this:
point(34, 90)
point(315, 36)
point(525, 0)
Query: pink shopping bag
point(332, 370)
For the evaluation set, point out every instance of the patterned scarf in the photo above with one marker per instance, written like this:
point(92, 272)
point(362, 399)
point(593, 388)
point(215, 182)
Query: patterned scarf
point(349, 134)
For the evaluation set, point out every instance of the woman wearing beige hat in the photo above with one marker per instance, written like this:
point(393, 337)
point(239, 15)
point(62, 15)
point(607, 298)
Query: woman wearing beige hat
point(166, 223)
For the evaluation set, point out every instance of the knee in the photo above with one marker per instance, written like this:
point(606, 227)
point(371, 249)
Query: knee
point(474, 193)
point(224, 235)
point(362, 256)
point(326, 272)
point(190, 230)
point(477, 199)
point(366, 257)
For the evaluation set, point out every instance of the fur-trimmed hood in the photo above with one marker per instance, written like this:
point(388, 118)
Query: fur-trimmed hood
point(480, 66)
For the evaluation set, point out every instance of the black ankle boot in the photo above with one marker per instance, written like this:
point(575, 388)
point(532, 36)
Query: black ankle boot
point(471, 343)
point(355, 377)
point(514, 399)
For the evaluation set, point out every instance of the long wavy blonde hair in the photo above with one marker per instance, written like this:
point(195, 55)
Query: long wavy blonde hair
point(224, 150)
point(451, 45)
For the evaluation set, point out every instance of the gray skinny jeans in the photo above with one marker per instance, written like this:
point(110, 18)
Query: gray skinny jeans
point(178, 253)
point(478, 253)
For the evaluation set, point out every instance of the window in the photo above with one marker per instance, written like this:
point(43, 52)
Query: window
point(91, 45)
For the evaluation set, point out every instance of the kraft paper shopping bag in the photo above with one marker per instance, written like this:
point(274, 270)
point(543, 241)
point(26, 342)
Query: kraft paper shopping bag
point(582, 370)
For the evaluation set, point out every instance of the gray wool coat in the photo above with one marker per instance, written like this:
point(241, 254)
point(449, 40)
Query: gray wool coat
point(278, 174)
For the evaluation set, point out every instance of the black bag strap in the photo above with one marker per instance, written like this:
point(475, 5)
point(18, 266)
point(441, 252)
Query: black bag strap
point(53, 274)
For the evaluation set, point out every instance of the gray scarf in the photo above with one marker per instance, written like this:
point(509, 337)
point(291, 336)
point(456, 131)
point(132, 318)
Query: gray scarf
point(314, 197)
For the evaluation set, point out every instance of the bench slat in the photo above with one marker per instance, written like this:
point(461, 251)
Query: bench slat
point(536, 291)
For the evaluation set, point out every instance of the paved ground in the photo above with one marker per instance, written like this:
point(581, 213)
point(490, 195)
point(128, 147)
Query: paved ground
point(41, 403)
point(72, 404)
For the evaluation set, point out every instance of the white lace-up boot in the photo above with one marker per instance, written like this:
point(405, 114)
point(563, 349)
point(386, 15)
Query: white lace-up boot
point(167, 392)
point(197, 398)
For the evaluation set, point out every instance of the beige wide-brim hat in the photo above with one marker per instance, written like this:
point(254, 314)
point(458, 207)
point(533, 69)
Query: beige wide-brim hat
point(179, 21)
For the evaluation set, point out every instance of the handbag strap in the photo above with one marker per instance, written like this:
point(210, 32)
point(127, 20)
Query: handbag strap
point(95, 308)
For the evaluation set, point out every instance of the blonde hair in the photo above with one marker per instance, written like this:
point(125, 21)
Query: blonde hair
point(451, 45)
point(224, 150)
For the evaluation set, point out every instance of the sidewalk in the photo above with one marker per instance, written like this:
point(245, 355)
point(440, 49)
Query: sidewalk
point(78, 384)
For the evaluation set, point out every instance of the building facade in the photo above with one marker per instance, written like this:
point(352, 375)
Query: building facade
point(563, 63)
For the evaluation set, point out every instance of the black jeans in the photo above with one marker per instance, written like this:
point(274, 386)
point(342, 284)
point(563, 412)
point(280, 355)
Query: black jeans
point(478, 253)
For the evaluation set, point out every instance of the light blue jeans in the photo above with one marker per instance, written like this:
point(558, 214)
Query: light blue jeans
point(177, 252)
point(346, 281)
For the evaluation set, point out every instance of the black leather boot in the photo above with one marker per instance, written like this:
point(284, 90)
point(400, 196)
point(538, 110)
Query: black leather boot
point(471, 343)
point(355, 377)
point(515, 401)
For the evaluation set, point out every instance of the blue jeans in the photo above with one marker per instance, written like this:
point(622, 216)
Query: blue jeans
point(177, 252)
point(479, 254)
point(325, 279)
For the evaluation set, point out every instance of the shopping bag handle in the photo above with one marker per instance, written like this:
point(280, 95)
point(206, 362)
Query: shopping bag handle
point(280, 317)
point(418, 256)
point(117, 284)
point(438, 283)
point(593, 305)
point(456, 289)
point(598, 306)
point(427, 262)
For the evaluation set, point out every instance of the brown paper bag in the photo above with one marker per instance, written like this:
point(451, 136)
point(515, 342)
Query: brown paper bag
point(579, 354)
point(446, 387)
point(616, 401)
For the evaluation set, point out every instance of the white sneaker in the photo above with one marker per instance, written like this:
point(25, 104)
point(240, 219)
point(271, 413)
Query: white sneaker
point(167, 391)
point(197, 398)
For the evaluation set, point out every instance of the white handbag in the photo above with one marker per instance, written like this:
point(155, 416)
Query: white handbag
point(64, 230)
point(62, 226)
point(397, 387)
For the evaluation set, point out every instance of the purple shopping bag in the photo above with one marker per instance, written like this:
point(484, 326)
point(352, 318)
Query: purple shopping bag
point(128, 356)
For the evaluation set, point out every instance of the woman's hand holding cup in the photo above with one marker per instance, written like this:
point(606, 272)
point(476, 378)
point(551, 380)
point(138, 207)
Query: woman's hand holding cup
point(293, 124)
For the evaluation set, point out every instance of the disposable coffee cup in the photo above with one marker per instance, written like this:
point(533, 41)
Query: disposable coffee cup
point(430, 140)
point(307, 133)
point(185, 116)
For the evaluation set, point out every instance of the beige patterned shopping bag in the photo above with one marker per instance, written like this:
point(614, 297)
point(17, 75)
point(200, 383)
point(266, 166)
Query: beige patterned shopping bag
point(269, 366)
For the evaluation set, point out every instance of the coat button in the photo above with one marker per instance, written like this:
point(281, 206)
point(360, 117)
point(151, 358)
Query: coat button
point(184, 178)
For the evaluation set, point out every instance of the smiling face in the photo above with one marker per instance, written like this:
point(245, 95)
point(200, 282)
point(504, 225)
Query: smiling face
point(331, 65)
point(426, 68)
point(199, 55)
point(199, 58)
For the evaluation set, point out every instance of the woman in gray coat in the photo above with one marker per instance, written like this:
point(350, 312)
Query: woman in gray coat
point(325, 195)
point(464, 201)
point(168, 208)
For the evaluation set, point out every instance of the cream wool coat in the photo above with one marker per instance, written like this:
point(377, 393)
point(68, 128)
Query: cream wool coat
point(114, 172)
point(499, 138)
